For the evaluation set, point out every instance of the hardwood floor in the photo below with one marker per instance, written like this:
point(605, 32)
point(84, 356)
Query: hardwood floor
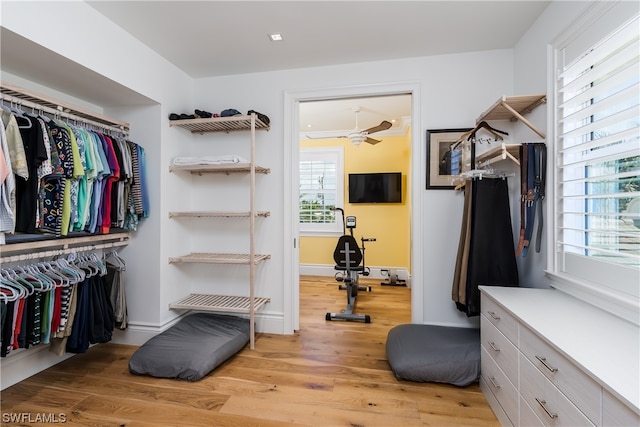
point(328, 374)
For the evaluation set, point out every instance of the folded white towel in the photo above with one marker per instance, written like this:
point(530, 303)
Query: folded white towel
point(209, 160)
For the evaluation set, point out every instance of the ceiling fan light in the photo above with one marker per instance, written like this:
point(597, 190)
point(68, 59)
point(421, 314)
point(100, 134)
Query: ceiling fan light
point(356, 138)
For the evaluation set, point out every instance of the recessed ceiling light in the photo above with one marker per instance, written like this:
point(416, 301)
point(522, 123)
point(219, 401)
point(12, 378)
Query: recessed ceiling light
point(276, 37)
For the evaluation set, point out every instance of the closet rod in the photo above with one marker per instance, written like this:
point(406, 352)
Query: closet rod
point(58, 252)
point(52, 106)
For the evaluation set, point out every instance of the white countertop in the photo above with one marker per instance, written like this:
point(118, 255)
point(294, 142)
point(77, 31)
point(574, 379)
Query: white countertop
point(606, 347)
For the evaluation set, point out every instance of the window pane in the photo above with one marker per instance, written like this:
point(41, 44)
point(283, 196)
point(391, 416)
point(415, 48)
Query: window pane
point(321, 190)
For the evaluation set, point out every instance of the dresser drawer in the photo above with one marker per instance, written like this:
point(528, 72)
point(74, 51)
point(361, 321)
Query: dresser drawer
point(499, 348)
point(545, 399)
point(581, 389)
point(616, 413)
point(503, 390)
point(500, 318)
point(527, 416)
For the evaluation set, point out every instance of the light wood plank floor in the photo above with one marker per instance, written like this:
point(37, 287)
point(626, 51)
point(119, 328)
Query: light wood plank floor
point(328, 374)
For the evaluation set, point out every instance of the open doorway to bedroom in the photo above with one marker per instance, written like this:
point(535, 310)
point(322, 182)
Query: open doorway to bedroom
point(343, 140)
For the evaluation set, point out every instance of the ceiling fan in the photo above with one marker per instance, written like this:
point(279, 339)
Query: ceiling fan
point(357, 135)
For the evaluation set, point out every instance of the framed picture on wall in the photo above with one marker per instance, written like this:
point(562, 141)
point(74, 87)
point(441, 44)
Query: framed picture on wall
point(447, 157)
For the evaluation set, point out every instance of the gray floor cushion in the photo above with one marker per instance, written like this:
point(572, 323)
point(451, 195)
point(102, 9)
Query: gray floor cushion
point(191, 348)
point(427, 353)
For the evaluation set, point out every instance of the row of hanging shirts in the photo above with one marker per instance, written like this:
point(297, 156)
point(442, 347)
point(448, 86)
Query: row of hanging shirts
point(60, 176)
point(69, 302)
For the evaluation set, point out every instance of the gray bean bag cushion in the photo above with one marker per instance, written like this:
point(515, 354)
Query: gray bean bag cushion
point(427, 353)
point(191, 348)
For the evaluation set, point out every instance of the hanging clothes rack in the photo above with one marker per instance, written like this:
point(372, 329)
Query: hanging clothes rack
point(25, 98)
point(58, 252)
point(29, 99)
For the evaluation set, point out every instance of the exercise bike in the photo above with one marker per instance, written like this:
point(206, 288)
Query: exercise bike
point(349, 259)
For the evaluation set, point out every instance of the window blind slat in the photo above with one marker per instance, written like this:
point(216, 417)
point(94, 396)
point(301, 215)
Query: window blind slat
point(617, 155)
point(626, 135)
point(607, 106)
point(621, 117)
point(575, 100)
point(608, 46)
point(596, 74)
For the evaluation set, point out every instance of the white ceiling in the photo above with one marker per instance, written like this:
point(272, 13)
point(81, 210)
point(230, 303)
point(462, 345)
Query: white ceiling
point(214, 38)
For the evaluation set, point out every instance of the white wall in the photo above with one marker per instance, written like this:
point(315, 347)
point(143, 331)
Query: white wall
point(454, 90)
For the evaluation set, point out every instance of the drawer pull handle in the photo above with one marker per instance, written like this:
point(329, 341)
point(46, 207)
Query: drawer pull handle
point(494, 315)
point(493, 346)
point(493, 381)
point(543, 360)
point(543, 403)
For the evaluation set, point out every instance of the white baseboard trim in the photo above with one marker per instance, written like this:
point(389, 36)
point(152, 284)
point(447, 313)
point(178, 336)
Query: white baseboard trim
point(138, 334)
point(326, 270)
point(22, 363)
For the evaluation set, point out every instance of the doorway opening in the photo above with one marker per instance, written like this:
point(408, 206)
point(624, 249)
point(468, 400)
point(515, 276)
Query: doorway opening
point(339, 106)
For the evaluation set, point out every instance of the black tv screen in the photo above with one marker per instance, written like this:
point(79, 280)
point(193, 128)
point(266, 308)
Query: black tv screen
point(385, 187)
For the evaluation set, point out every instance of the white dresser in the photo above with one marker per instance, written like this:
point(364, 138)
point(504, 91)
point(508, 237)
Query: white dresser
point(551, 359)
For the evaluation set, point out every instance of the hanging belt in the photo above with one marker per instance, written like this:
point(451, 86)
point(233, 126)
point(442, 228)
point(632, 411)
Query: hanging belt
point(541, 173)
point(530, 199)
point(523, 195)
point(536, 171)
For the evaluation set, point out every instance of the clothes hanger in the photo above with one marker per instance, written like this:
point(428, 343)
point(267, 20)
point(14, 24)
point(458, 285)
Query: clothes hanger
point(71, 268)
point(31, 274)
point(18, 288)
point(114, 259)
point(486, 126)
point(8, 293)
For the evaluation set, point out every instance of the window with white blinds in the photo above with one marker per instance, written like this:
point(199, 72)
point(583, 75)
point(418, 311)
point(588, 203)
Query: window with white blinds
point(321, 180)
point(597, 207)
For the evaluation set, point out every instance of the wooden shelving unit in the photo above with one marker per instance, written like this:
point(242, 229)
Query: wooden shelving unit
point(496, 154)
point(225, 303)
point(509, 108)
point(513, 108)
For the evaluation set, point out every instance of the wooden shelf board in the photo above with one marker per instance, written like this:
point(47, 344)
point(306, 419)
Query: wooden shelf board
point(497, 154)
point(222, 168)
point(219, 303)
point(62, 243)
point(522, 104)
point(219, 258)
point(219, 124)
point(215, 214)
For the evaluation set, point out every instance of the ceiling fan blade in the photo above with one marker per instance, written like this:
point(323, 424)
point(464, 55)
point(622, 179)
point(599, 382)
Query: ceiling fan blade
point(382, 126)
point(372, 141)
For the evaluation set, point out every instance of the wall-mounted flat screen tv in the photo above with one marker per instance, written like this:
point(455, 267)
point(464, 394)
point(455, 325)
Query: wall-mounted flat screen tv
point(383, 187)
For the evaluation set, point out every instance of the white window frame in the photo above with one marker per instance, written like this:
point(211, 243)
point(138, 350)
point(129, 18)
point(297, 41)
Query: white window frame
point(612, 287)
point(333, 154)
